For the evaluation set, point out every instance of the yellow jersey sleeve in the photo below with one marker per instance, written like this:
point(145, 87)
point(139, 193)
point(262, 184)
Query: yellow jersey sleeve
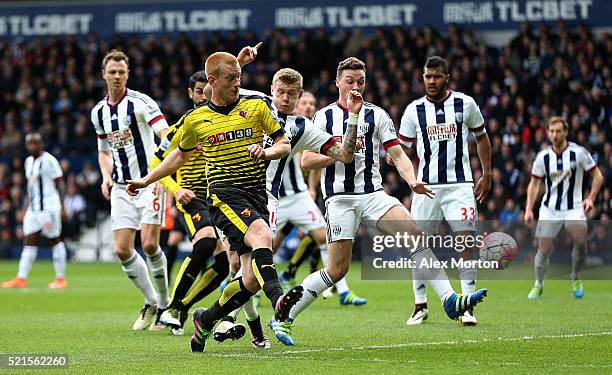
point(189, 138)
point(269, 119)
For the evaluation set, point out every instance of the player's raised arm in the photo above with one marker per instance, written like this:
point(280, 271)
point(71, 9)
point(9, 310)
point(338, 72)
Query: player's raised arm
point(406, 170)
point(248, 54)
point(345, 151)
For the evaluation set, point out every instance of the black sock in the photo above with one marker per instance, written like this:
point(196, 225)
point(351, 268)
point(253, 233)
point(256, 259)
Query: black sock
point(302, 252)
point(234, 295)
point(255, 327)
point(191, 267)
point(263, 267)
point(209, 281)
point(315, 261)
point(171, 258)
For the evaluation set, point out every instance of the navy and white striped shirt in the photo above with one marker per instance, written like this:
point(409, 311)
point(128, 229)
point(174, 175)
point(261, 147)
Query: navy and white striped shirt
point(304, 135)
point(41, 174)
point(563, 174)
point(126, 129)
point(362, 175)
point(441, 131)
point(293, 179)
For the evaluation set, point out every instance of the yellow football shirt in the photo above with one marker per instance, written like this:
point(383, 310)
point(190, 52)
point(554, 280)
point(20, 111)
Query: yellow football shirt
point(224, 133)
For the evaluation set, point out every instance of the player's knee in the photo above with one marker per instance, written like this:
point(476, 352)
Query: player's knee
point(580, 243)
point(337, 271)
point(250, 282)
point(149, 246)
point(123, 254)
point(234, 264)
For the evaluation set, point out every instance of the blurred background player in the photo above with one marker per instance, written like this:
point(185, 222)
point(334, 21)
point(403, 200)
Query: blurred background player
point(306, 106)
point(285, 178)
point(563, 165)
point(44, 213)
point(126, 122)
point(354, 193)
point(440, 123)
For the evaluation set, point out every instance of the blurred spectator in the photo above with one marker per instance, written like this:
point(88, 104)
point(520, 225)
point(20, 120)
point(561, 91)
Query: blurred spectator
point(51, 86)
point(75, 206)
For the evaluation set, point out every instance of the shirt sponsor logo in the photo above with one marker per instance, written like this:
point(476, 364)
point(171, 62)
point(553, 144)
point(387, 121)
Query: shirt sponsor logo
point(557, 176)
point(121, 138)
point(441, 132)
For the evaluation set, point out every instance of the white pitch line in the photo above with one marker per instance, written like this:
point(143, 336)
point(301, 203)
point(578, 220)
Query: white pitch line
point(275, 355)
point(454, 342)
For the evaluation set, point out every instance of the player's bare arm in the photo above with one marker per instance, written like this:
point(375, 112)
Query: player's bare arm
point(61, 190)
point(484, 154)
point(314, 179)
point(406, 171)
point(532, 195)
point(279, 149)
point(248, 54)
point(175, 160)
point(105, 159)
point(339, 152)
point(587, 203)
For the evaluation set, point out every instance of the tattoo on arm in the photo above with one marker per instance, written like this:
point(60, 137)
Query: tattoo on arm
point(350, 139)
point(335, 151)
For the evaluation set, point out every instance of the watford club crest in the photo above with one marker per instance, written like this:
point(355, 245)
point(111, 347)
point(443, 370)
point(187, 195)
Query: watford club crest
point(197, 217)
point(246, 213)
point(244, 114)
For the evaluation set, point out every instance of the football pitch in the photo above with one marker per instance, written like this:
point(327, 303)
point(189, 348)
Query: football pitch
point(91, 323)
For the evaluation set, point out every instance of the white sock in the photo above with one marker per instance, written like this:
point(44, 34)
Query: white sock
point(59, 260)
point(250, 311)
point(314, 284)
point(28, 256)
point(136, 269)
point(419, 287)
point(235, 313)
point(540, 265)
point(468, 279)
point(158, 265)
point(341, 285)
point(436, 277)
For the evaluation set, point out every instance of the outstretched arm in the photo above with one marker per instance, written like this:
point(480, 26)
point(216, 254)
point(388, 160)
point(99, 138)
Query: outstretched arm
point(171, 164)
point(406, 170)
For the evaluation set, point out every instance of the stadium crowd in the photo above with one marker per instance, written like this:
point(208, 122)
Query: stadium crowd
point(51, 85)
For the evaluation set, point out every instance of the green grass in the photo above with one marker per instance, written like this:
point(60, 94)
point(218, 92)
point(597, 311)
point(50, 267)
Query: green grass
point(91, 322)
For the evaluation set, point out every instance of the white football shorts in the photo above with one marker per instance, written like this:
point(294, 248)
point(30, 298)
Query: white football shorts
point(344, 213)
point(130, 212)
point(301, 211)
point(550, 221)
point(48, 223)
point(454, 203)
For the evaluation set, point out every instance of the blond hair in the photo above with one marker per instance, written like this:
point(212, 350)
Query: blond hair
point(556, 119)
point(288, 76)
point(115, 55)
point(216, 63)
